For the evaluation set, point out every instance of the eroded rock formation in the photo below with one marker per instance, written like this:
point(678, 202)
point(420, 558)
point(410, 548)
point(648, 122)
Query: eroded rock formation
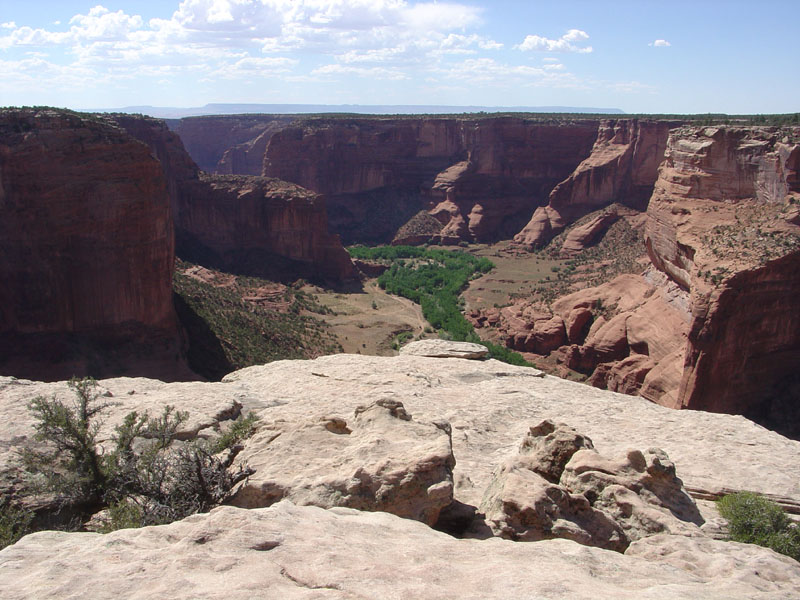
point(243, 224)
point(558, 485)
point(378, 459)
point(713, 322)
point(86, 251)
point(481, 178)
point(722, 223)
point(228, 144)
point(622, 167)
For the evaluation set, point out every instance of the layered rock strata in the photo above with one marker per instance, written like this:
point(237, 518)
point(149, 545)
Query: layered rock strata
point(243, 224)
point(481, 178)
point(723, 224)
point(258, 226)
point(622, 167)
point(86, 251)
point(712, 324)
point(228, 144)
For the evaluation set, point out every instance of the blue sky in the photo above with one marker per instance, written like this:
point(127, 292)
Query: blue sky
point(639, 56)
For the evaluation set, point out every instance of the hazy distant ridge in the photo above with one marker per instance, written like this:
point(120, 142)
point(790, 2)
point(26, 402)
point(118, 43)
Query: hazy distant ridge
point(167, 112)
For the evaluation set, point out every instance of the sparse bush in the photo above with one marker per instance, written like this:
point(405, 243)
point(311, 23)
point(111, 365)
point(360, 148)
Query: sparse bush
point(753, 519)
point(15, 522)
point(147, 478)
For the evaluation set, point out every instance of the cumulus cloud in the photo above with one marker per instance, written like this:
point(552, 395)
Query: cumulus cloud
point(660, 43)
point(569, 42)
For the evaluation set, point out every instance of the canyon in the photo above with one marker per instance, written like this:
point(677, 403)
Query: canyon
point(710, 311)
point(688, 332)
point(481, 467)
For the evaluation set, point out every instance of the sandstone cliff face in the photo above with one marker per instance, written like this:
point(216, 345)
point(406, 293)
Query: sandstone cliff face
point(86, 250)
point(258, 226)
point(231, 144)
point(250, 225)
point(622, 167)
point(719, 327)
point(723, 224)
point(481, 178)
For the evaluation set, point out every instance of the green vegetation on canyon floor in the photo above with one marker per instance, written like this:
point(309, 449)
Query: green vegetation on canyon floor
point(435, 278)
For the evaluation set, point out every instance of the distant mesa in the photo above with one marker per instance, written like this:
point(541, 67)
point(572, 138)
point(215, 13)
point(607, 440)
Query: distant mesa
point(171, 112)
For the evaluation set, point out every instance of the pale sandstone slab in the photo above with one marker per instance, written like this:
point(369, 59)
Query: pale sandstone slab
point(491, 405)
point(444, 349)
point(292, 552)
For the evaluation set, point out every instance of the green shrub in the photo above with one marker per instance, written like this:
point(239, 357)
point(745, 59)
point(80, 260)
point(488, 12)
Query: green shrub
point(15, 522)
point(753, 519)
point(145, 477)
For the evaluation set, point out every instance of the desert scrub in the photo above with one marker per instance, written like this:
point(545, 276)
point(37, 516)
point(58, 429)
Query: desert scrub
point(145, 476)
point(15, 522)
point(234, 322)
point(753, 519)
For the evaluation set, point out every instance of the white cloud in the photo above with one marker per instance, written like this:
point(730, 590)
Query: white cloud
point(8, 25)
point(489, 71)
point(660, 44)
point(371, 72)
point(566, 43)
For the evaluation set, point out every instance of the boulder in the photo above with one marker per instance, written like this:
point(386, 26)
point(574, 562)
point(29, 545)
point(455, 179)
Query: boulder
point(380, 459)
point(559, 486)
point(640, 492)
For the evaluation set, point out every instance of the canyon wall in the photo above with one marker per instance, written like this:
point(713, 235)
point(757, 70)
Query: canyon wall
point(259, 226)
point(724, 224)
point(714, 322)
point(480, 178)
point(86, 251)
point(229, 144)
point(243, 224)
point(622, 167)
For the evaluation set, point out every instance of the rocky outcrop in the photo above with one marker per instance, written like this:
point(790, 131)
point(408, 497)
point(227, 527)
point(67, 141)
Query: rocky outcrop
point(86, 251)
point(559, 486)
point(481, 178)
point(288, 549)
point(242, 224)
point(298, 552)
point(378, 459)
point(622, 167)
point(258, 226)
point(228, 144)
point(721, 224)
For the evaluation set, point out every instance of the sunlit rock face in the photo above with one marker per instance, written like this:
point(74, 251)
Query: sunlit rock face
point(481, 178)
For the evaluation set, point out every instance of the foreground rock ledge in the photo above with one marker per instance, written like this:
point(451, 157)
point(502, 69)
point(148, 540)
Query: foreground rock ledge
point(290, 552)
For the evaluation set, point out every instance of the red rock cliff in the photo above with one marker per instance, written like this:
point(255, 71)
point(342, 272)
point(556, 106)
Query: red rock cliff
point(622, 167)
point(86, 251)
point(723, 223)
point(259, 226)
point(232, 144)
point(243, 224)
point(482, 178)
